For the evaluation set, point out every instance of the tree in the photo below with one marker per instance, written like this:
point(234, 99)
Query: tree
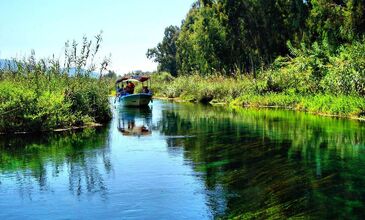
point(336, 21)
point(202, 41)
point(230, 36)
point(258, 30)
point(165, 52)
point(226, 35)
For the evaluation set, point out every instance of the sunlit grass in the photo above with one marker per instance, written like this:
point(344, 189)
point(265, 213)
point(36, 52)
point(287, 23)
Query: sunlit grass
point(246, 91)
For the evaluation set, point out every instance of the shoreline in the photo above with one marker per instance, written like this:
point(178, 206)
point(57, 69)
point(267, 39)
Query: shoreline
point(288, 108)
point(226, 105)
point(57, 130)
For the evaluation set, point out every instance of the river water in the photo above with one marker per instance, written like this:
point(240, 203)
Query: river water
point(189, 161)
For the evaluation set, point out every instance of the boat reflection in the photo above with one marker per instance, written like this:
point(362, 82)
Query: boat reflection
point(135, 121)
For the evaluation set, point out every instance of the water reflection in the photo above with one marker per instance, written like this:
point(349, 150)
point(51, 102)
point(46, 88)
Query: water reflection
point(200, 162)
point(36, 164)
point(135, 121)
point(273, 164)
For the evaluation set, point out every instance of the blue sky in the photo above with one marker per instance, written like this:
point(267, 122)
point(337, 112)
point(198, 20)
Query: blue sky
point(129, 27)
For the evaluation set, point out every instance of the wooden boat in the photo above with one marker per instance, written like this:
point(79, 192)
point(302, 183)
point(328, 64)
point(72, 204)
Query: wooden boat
point(125, 95)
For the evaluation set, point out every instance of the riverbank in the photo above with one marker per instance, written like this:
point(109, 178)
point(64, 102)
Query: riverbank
point(45, 100)
point(38, 105)
point(245, 91)
point(40, 95)
point(313, 78)
point(59, 130)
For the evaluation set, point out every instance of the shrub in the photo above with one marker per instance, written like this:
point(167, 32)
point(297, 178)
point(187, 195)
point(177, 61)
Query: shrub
point(346, 72)
point(34, 104)
point(41, 96)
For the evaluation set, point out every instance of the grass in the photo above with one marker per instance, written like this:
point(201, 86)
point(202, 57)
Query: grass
point(36, 107)
point(245, 91)
point(203, 89)
point(40, 95)
point(323, 104)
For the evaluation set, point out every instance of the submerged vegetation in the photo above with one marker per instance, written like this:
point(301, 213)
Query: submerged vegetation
point(305, 55)
point(40, 95)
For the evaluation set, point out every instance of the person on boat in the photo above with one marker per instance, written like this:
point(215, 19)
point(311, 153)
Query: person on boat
point(145, 89)
point(119, 91)
point(129, 88)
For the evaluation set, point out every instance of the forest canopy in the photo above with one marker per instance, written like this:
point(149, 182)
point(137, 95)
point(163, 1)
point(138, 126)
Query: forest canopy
point(242, 36)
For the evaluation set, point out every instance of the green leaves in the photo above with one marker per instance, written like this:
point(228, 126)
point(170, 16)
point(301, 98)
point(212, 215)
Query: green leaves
point(165, 52)
point(38, 97)
point(336, 22)
point(201, 45)
point(233, 37)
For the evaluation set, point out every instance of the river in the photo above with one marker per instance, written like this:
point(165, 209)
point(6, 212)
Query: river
point(188, 161)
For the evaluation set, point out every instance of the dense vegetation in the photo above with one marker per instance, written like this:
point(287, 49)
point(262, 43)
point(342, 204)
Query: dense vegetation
point(41, 95)
point(307, 55)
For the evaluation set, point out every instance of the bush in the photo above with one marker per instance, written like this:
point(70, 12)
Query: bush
point(348, 106)
point(29, 105)
point(40, 95)
point(269, 100)
point(207, 88)
point(346, 72)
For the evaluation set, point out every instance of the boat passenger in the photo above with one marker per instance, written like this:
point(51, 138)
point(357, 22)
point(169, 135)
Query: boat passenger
point(119, 91)
point(145, 89)
point(129, 88)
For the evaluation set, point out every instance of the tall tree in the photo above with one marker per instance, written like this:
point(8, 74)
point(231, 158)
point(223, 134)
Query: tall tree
point(202, 42)
point(229, 35)
point(165, 52)
point(259, 29)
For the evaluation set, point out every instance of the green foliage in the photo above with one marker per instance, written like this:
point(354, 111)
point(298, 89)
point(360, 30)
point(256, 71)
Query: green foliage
point(234, 37)
point(41, 96)
point(258, 30)
point(346, 72)
point(208, 88)
point(165, 52)
point(32, 108)
point(336, 22)
point(163, 77)
point(301, 73)
point(89, 97)
point(334, 105)
point(315, 80)
point(317, 70)
point(225, 36)
point(269, 100)
point(347, 106)
point(202, 42)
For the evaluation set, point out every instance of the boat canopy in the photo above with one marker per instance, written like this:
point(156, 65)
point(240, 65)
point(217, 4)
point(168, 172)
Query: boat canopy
point(133, 78)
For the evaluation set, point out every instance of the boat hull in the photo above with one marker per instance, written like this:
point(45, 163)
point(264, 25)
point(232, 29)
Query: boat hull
point(135, 100)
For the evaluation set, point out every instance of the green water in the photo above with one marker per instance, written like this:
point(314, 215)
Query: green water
point(188, 161)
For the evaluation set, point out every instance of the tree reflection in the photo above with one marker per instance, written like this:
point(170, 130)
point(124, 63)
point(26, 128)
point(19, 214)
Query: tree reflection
point(38, 161)
point(272, 164)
